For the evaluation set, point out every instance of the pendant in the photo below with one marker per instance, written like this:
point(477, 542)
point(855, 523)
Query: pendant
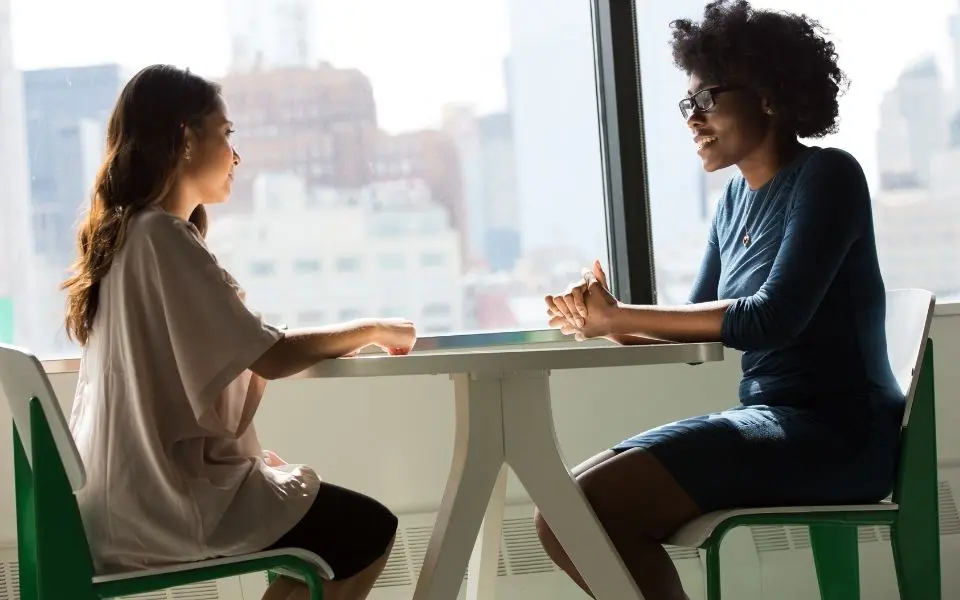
point(746, 240)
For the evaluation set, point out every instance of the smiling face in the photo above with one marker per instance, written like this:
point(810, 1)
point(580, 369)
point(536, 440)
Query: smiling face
point(729, 123)
point(212, 158)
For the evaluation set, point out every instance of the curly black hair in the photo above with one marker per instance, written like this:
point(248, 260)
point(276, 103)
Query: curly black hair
point(781, 56)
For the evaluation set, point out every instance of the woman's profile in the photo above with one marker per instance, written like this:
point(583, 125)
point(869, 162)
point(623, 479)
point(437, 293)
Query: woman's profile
point(790, 276)
point(174, 364)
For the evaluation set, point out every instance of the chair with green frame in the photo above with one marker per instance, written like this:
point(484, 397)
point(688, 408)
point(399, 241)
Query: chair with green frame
point(54, 557)
point(911, 514)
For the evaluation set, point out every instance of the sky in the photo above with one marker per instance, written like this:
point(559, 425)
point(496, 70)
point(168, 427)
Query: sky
point(421, 54)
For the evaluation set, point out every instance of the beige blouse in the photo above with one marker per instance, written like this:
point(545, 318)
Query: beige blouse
point(163, 413)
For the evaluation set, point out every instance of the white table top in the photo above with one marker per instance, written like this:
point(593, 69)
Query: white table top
point(500, 360)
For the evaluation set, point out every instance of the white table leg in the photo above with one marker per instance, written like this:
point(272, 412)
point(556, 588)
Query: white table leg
point(531, 450)
point(482, 572)
point(477, 462)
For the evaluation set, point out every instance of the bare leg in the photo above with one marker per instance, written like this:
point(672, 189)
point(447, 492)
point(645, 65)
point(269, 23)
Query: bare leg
point(355, 588)
point(640, 504)
point(551, 544)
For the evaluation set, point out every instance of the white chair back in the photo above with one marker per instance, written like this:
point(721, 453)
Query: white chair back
point(909, 313)
point(22, 378)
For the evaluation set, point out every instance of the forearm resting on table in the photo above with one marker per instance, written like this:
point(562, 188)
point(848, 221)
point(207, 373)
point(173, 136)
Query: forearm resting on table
point(300, 349)
point(649, 324)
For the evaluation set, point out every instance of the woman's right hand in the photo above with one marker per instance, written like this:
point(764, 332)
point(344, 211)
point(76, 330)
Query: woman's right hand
point(395, 336)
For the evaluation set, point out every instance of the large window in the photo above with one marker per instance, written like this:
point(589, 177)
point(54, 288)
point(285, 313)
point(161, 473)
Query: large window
point(900, 118)
point(436, 159)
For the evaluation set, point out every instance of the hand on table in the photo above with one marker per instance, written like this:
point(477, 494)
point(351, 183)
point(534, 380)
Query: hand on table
point(395, 336)
point(585, 309)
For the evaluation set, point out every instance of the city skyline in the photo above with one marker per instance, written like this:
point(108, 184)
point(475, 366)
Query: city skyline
point(520, 178)
point(413, 84)
point(469, 73)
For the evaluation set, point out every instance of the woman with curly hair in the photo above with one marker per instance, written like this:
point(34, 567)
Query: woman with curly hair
point(790, 277)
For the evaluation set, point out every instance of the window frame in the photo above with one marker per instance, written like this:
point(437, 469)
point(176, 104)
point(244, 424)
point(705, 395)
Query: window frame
point(623, 150)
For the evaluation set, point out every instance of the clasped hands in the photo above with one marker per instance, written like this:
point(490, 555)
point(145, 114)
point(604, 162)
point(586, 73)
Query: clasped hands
point(586, 309)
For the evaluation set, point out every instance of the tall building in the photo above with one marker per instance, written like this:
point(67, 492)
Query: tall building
point(487, 164)
point(67, 113)
point(953, 29)
point(431, 156)
point(893, 146)
point(319, 124)
point(15, 245)
point(460, 123)
point(271, 34)
point(912, 128)
point(916, 213)
point(502, 237)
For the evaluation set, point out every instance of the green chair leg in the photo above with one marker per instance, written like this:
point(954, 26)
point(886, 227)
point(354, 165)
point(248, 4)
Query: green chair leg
point(915, 535)
point(837, 559)
point(713, 569)
point(916, 554)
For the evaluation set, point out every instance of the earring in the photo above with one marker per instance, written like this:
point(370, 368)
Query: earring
point(186, 154)
point(769, 111)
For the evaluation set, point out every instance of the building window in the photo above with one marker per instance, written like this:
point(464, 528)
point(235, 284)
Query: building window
point(391, 262)
point(306, 266)
point(433, 259)
point(263, 268)
point(348, 264)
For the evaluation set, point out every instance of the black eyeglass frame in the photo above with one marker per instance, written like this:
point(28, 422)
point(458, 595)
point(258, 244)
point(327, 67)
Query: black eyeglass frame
point(703, 100)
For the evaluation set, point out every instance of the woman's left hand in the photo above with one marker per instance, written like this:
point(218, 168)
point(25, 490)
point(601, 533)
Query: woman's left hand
point(586, 308)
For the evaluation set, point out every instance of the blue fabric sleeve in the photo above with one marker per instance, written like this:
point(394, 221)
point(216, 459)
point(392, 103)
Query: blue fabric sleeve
point(831, 204)
point(708, 277)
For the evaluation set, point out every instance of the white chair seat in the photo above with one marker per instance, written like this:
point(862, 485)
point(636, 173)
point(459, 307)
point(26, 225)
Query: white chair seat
point(697, 531)
point(325, 571)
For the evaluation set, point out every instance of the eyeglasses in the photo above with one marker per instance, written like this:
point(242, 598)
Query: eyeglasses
point(702, 100)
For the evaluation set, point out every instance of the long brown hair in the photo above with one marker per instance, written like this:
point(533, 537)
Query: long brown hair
point(146, 135)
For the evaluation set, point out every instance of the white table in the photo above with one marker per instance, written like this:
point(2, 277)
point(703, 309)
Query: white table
point(503, 417)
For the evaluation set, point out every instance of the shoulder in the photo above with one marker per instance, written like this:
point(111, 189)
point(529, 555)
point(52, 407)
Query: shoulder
point(831, 185)
point(155, 230)
point(832, 162)
point(156, 223)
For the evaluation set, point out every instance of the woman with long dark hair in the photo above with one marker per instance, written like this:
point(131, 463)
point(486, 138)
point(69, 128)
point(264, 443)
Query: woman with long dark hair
point(174, 364)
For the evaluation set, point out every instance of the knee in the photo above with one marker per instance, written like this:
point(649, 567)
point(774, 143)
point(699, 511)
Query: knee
point(390, 526)
point(380, 525)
